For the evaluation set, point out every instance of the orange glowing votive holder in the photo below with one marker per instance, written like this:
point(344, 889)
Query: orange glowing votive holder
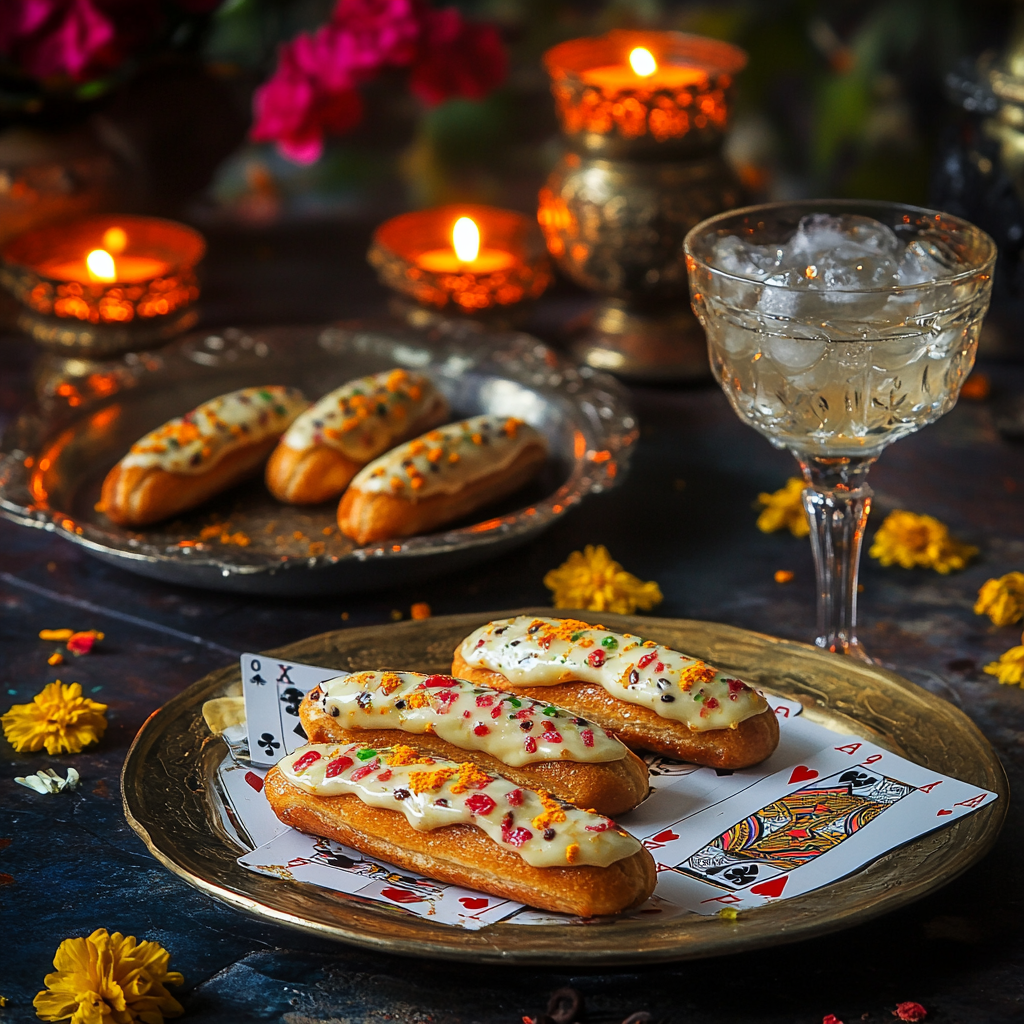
point(628, 91)
point(462, 258)
point(104, 284)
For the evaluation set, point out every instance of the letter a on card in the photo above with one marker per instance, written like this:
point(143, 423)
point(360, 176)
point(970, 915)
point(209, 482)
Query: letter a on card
point(850, 748)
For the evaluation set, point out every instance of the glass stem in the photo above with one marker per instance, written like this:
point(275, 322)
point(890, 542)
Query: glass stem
point(837, 499)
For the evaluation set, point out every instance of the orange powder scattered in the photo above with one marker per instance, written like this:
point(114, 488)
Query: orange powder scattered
point(401, 754)
point(551, 815)
point(470, 777)
point(427, 782)
point(572, 853)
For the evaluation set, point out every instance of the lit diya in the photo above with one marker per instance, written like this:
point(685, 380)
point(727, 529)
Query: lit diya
point(467, 258)
point(104, 284)
point(654, 87)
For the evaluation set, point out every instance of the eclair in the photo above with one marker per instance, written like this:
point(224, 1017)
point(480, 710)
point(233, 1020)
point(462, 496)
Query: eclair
point(649, 696)
point(454, 822)
point(330, 442)
point(193, 457)
point(440, 477)
point(530, 742)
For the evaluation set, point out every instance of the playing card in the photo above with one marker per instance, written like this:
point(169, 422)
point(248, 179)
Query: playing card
point(273, 691)
point(301, 858)
point(251, 815)
point(804, 826)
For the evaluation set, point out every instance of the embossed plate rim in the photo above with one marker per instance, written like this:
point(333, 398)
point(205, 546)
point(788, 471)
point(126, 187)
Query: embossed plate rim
point(841, 693)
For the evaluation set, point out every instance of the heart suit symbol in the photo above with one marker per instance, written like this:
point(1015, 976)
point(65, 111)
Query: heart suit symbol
point(801, 773)
point(773, 887)
point(667, 836)
point(400, 895)
point(254, 780)
point(943, 812)
point(472, 903)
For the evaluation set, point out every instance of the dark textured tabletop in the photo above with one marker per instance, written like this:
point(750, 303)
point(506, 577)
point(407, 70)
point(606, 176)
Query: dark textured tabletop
point(684, 517)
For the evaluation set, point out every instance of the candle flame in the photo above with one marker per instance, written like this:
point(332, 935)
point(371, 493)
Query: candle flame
point(466, 239)
point(101, 265)
point(115, 240)
point(642, 61)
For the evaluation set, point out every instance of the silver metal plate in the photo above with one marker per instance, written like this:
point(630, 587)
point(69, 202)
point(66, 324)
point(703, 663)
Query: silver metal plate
point(52, 465)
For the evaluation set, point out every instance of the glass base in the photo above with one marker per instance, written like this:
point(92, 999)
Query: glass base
point(852, 648)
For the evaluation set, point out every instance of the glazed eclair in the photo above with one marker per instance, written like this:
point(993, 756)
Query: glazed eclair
point(454, 822)
point(530, 742)
point(193, 457)
point(330, 442)
point(439, 477)
point(649, 696)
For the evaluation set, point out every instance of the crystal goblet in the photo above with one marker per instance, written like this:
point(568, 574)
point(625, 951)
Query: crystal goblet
point(835, 328)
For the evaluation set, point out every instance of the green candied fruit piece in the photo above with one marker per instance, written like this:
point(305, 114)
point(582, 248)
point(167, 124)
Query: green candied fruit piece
point(699, 696)
point(550, 711)
point(515, 702)
point(575, 636)
point(610, 642)
point(266, 395)
point(366, 753)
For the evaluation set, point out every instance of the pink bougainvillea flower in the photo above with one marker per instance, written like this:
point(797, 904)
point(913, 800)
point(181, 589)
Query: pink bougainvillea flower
point(457, 58)
point(377, 33)
point(54, 38)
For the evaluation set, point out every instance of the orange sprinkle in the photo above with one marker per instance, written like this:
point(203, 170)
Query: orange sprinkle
point(417, 447)
point(572, 853)
point(477, 438)
point(402, 755)
point(417, 482)
point(551, 815)
point(453, 457)
point(696, 673)
point(420, 610)
point(427, 782)
point(434, 455)
point(396, 484)
point(327, 531)
point(470, 777)
point(512, 426)
point(418, 700)
point(389, 682)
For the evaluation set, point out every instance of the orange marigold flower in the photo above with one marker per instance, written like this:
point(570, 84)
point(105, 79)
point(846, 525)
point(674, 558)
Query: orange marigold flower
point(784, 509)
point(1002, 599)
point(918, 541)
point(591, 579)
point(59, 719)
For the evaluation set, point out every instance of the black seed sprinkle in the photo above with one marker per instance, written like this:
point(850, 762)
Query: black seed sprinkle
point(667, 698)
point(549, 833)
point(401, 794)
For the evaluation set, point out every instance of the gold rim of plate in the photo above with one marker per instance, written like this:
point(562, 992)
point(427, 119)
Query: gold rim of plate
point(168, 801)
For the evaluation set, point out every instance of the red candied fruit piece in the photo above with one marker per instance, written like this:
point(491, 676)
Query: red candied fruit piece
point(480, 729)
point(446, 697)
point(385, 775)
point(596, 658)
point(310, 757)
point(480, 803)
point(431, 682)
point(515, 798)
point(337, 766)
point(485, 700)
point(646, 659)
point(604, 826)
point(480, 643)
point(530, 745)
point(736, 686)
point(361, 773)
point(711, 703)
point(525, 713)
point(587, 735)
point(497, 712)
point(517, 836)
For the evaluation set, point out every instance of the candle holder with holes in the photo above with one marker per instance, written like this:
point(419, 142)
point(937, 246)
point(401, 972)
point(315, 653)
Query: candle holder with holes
point(643, 116)
point(105, 285)
point(462, 260)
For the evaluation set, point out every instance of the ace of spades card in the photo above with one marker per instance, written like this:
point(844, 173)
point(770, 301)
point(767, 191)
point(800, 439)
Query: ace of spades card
point(273, 690)
point(804, 827)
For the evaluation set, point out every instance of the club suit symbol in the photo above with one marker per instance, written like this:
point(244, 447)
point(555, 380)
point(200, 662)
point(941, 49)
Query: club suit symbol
point(268, 744)
point(291, 699)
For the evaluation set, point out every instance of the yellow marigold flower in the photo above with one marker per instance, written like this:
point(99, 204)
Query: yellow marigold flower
point(59, 718)
point(1002, 600)
point(915, 541)
point(784, 509)
point(1009, 669)
point(591, 579)
point(109, 979)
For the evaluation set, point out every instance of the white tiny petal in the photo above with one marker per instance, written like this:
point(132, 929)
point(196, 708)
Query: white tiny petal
point(73, 779)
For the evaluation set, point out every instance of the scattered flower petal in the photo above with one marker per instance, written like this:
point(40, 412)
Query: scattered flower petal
point(55, 659)
point(729, 913)
point(109, 978)
point(977, 387)
point(910, 1011)
point(420, 610)
point(83, 642)
point(591, 580)
point(918, 541)
point(784, 509)
point(1009, 669)
point(830, 1018)
point(1002, 599)
point(59, 718)
point(784, 575)
point(60, 635)
point(48, 781)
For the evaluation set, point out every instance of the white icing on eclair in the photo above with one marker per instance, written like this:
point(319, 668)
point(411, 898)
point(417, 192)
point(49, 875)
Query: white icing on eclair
point(532, 651)
point(445, 460)
point(433, 792)
point(363, 418)
point(515, 730)
point(197, 441)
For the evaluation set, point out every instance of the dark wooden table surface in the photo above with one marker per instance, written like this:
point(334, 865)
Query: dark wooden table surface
point(70, 864)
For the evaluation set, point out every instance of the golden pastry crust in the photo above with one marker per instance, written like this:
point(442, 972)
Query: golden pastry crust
point(369, 517)
point(608, 787)
point(639, 727)
point(463, 854)
point(141, 495)
point(319, 473)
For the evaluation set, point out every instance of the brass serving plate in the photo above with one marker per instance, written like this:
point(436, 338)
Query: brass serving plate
point(168, 801)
